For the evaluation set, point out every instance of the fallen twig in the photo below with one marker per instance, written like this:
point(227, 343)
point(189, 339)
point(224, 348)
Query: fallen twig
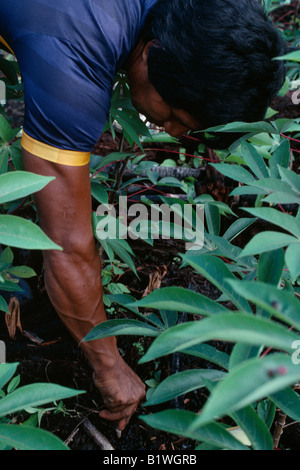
point(96, 435)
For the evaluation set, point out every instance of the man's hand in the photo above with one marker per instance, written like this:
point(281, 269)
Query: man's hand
point(73, 281)
point(121, 390)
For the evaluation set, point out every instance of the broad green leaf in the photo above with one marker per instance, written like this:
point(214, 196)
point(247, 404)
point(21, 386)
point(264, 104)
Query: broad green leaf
point(29, 438)
point(21, 233)
point(281, 157)
point(6, 131)
point(209, 353)
point(112, 158)
point(99, 192)
point(254, 427)
point(255, 127)
point(266, 409)
point(254, 160)
point(178, 422)
point(288, 401)
point(276, 217)
point(182, 382)
point(22, 271)
point(129, 303)
point(6, 372)
point(282, 197)
point(216, 271)
point(227, 250)
point(279, 303)
point(267, 241)
point(247, 383)
point(238, 227)
point(291, 178)
point(292, 56)
point(34, 395)
point(292, 259)
point(121, 327)
point(232, 327)
point(213, 219)
point(242, 352)
point(3, 304)
point(235, 172)
point(7, 256)
point(270, 266)
point(18, 184)
point(180, 299)
point(242, 190)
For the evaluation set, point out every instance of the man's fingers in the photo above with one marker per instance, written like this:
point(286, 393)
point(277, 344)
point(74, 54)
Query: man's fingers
point(122, 415)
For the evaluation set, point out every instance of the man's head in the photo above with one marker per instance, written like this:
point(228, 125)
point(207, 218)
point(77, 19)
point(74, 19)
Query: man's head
point(213, 59)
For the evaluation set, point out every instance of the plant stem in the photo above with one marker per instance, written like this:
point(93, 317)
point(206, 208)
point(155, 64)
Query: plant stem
point(279, 424)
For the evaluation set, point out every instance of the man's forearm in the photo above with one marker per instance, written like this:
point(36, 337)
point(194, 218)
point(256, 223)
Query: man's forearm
point(73, 283)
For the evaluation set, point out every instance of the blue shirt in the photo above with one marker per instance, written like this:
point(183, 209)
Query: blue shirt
point(69, 52)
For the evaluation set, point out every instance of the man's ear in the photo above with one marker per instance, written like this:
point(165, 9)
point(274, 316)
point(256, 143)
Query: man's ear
point(149, 44)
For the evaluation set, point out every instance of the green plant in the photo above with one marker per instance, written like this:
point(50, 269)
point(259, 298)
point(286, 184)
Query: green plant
point(257, 311)
point(15, 433)
point(16, 231)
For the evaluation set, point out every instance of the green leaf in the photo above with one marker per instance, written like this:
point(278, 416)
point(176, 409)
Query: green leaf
point(178, 422)
point(6, 131)
point(279, 303)
point(180, 299)
point(254, 160)
point(281, 157)
point(232, 327)
point(292, 56)
point(270, 266)
point(181, 383)
point(212, 217)
point(276, 217)
point(121, 327)
point(292, 259)
point(22, 271)
point(21, 233)
point(128, 302)
point(216, 271)
point(209, 353)
point(288, 401)
point(99, 192)
point(33, 395)
point(237, 228)
point(7, 256)
point(291, 178)
point(3, 305)
point(267, 241)
point(235, 172)
point(6, 372)
point(112, 158)
point(247, 383)
point(266, 409)
point(254, 427)
point(18, 184)
point(29, 438)
point(243, 127)
point(242, 352)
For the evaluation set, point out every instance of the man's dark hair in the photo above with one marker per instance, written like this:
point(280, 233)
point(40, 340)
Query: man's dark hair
point(213, 58)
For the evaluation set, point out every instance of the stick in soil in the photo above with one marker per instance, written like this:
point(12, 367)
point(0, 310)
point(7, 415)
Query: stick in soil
point(99, 439)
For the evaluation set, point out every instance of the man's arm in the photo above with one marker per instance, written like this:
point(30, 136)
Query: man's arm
point(73, 281)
